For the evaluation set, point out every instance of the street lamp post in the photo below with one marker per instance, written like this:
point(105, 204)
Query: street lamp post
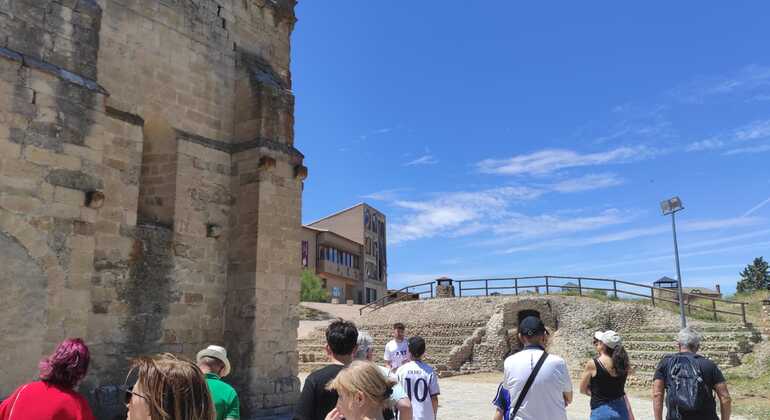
point(671, 206)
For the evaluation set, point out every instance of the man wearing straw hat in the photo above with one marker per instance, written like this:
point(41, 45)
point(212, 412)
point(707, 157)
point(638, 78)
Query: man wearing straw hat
point(214, 363)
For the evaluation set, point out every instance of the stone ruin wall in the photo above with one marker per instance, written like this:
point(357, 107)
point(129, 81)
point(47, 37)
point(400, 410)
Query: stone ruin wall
point(150, 191)
point(571, 319)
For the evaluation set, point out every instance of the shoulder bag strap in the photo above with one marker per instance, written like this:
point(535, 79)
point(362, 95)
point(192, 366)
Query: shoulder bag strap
point(528, 384)
point(10, 415)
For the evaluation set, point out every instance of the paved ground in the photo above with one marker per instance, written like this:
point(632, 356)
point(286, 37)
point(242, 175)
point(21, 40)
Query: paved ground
point(469, 397)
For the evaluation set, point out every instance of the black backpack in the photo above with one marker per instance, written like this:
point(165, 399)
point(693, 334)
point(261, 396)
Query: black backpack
point(685, 388)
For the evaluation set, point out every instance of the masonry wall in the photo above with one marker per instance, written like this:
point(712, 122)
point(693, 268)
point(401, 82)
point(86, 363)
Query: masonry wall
point(150, 192)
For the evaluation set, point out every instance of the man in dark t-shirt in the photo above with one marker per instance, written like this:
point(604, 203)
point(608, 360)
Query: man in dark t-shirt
point(689, 343)
point(316, 402)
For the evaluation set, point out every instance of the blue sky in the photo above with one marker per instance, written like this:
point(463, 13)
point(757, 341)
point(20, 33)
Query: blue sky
point(503, 138)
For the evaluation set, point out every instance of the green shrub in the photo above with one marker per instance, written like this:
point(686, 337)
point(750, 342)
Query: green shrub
point(312, 291)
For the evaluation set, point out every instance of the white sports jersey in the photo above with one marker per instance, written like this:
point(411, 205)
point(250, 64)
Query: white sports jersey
point(421, 383)
point(396, 353)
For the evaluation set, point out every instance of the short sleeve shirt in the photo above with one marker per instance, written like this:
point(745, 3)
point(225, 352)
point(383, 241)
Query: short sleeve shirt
point(396, 353)
point(503, 402)
point(315, 402)
point(711, 377)
point(545, 399)
point(421, 384)
point(225, 398)
point(41, 400)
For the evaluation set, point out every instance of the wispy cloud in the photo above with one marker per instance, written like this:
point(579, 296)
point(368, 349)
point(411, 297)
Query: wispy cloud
point(736, 139)
point(548, 161)
point(587, 183)
point(377, 132)
point(451, 212)
point(756, 208)
point(636, 233)
point(753, 149)
point(422, 160)
point(750, 82)
point(392, 194)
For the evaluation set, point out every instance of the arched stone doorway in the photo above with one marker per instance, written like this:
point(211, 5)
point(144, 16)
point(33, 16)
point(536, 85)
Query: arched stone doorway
point(23, 304)
point(525, 313)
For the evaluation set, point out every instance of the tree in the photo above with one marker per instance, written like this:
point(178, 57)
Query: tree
point(754, 276)
point(312, 291)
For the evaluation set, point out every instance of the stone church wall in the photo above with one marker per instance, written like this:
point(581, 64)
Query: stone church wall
point(150, 191)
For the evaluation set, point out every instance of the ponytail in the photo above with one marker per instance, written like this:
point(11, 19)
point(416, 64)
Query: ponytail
point(620, 361)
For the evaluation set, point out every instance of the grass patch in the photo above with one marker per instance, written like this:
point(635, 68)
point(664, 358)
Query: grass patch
point(751, 396)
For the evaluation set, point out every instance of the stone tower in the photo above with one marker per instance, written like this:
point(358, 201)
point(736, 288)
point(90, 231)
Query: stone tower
point(150, 190)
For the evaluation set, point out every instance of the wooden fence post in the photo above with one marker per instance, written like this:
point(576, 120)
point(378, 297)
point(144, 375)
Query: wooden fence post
point(580, 286)
point(516, 286)
point(652, 296)
point(743, 313)
point(547, 289)
point(714, 308)
point(615, 288)
point(486, 287)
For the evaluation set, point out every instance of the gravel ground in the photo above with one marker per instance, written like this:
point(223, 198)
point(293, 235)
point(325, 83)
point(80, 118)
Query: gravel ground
point(469, 397)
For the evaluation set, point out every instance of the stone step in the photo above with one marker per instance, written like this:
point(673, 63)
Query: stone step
point(429, 348)
point(431, 359)
point(721, 358)
point(670, 337)
point(702, 328)
point(445, 340)
point(740, 346)
point(439, 367)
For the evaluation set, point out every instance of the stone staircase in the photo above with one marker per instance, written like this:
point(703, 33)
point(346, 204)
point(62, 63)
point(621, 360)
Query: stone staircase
point(443, 341)
point(724, 343)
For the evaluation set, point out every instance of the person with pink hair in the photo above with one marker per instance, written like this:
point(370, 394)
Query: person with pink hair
point(53, 396)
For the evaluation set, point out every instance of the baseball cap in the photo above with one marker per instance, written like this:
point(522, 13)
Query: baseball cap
point(610, 338)
point(532, 326)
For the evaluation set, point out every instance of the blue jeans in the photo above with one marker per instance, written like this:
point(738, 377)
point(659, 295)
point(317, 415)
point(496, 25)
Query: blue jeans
point(613, 410)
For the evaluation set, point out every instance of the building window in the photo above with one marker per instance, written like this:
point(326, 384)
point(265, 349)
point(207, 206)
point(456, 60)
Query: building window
point(336, 292)
point(305, 250)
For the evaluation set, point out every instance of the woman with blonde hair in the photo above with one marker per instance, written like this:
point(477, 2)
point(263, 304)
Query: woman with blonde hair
point(168, 388)
point(362, 391)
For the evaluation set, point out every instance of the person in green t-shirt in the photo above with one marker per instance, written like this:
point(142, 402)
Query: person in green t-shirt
point(214, 363)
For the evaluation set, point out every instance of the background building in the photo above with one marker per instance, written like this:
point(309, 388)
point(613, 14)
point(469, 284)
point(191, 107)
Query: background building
point(348, 250)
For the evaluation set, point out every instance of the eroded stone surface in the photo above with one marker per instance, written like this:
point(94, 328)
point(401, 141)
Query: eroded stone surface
point(165, 109)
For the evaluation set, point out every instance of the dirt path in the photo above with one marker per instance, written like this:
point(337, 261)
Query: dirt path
point(349, 312)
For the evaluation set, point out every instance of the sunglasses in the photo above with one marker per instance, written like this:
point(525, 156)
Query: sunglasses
point(128, 392)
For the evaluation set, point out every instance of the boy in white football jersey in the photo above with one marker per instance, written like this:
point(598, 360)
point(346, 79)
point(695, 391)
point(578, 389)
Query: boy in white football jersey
point(420, 382)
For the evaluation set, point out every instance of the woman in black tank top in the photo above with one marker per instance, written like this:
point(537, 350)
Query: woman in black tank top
point(604, 379)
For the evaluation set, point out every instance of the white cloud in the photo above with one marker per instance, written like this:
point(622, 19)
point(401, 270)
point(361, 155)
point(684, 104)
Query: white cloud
point(749, 133)
point(587, 183)
point(708, 144)
point(636, 233)
point(454, 213)
point(423, 160)
point(385, 195)
point(547, 161)
point(752, 149)
point(751, 81)
point(757, 207)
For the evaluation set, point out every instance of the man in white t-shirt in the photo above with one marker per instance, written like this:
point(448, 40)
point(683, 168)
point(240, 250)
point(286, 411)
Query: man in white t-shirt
point(396, 351)
point(420, 382)
point(551, 390)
